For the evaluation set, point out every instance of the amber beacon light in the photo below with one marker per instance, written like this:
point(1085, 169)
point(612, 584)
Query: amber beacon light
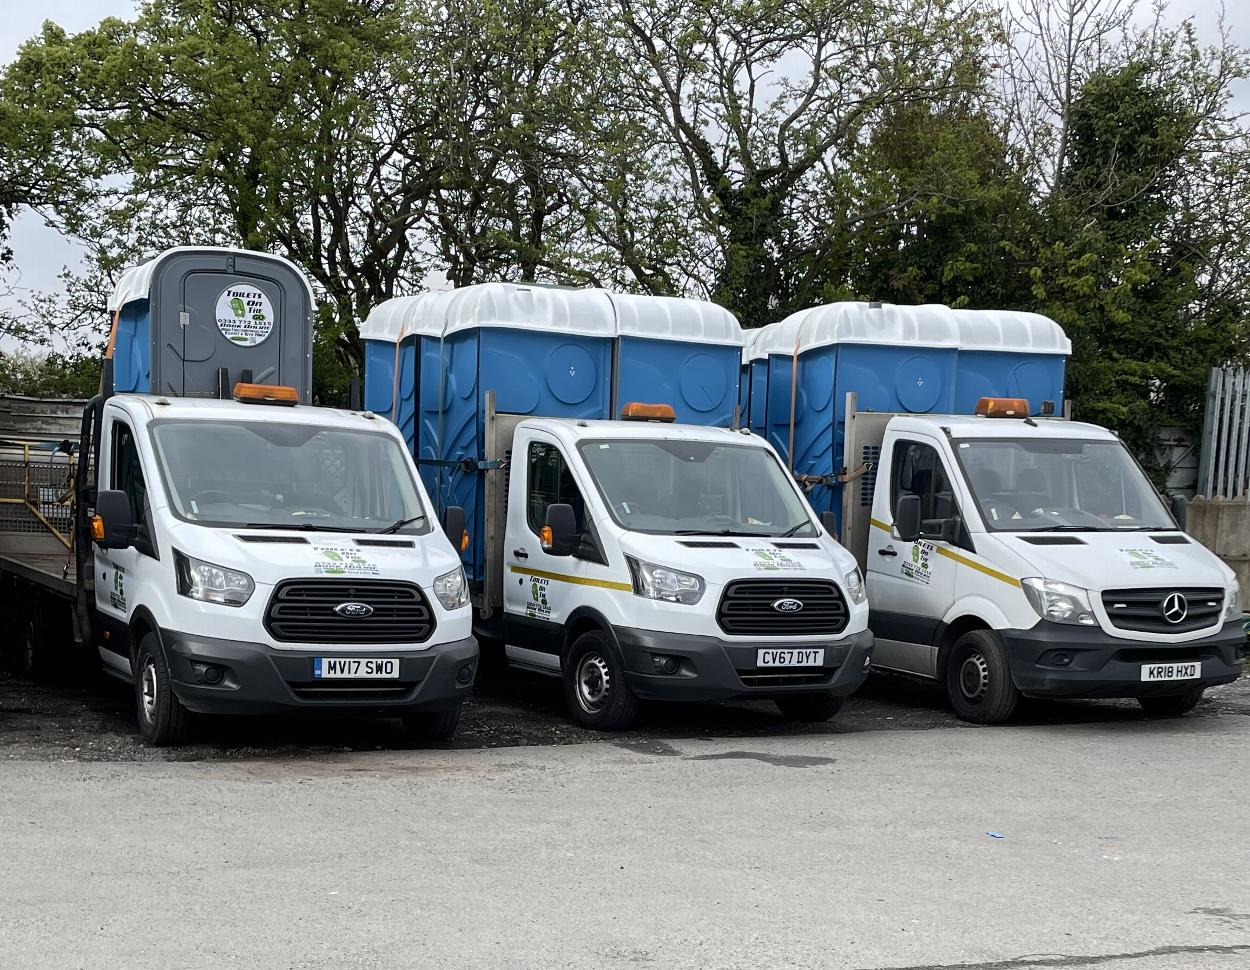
point(636, 411)
point(1003, 407)
point(265, 394)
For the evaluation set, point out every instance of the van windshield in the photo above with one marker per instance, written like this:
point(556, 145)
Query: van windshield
point(296, 476)
point(696, 488)
point(1056, 486)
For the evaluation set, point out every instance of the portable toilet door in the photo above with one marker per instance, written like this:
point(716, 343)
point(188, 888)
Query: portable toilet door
point(686, 353)
point(757, 382)
point(1008, 353)
point(393, 335)
point(183, 317)
point(544, 351)
point(895, 359)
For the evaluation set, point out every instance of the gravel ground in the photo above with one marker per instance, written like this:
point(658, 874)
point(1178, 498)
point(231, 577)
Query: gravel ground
point(91, 718)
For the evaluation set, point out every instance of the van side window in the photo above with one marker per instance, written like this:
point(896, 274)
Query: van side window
point(917, 470)
point(550, 482)
point(127, 471)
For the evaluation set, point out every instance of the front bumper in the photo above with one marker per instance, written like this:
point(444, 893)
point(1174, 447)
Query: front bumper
point(715, 669)
point(259, 679)
point(1107, 666)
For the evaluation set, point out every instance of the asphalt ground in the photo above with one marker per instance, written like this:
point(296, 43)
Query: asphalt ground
point(1082, 835)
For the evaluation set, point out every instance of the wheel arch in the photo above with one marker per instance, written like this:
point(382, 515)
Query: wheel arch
point(585, 619)
point(142, 622)
point(951, 634)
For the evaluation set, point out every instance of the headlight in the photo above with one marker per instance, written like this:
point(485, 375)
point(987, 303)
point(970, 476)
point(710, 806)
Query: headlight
point(662, 583)
point(211, 584)
point(854, 583)
point(1059, 602)
point(1232, 596)
point(451, 589)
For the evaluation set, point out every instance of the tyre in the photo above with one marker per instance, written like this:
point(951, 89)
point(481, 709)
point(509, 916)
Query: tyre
point(1171, 705)
point(594, 685)
point(978, 679)
point(811, 708)
point(163, 721)
point(433, 725)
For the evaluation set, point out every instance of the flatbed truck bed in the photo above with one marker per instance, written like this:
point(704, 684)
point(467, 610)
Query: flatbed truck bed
point(41, 560)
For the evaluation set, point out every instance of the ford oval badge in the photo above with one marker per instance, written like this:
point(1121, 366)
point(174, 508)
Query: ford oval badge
point(354, 610)
point(788, 606)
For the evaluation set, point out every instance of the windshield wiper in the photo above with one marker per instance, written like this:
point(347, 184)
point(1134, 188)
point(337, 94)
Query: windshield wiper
point(793, 529)
point(297, 527)
point(399, 524)
point(1068, 528)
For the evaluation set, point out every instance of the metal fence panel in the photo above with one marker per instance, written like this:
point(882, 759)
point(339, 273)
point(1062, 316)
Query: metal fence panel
point(1224, 467)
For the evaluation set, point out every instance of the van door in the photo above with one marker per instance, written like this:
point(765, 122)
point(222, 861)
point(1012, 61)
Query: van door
point(911, 585)
point(541, 590)
point(120, 573)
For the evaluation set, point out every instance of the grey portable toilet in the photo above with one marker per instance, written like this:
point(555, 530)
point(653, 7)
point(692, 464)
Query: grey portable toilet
point(183, 317)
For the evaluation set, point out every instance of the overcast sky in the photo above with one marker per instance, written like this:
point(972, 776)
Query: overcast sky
point(40, 253)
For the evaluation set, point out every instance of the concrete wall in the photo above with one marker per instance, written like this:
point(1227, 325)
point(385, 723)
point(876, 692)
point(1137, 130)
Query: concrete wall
point(1223, 526)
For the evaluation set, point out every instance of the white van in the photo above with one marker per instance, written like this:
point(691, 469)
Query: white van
point(1008, 556)
point(657, 561)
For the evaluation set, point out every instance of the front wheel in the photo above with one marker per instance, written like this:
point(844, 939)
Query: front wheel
point(978, 679)
point(163, 721)
point(433, 725)
point(594, 685)
point(1171, 705)
point(812, 708)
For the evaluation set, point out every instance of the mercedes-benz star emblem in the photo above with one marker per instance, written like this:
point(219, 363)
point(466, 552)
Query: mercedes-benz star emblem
point(354, 609)
point(1175, 607)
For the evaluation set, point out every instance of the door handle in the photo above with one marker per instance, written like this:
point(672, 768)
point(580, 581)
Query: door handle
point(520, 553)
point(887, 551)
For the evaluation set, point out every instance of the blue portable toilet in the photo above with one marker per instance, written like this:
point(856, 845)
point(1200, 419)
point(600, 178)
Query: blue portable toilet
point(895, 358)
point(686, 353)
point(197, 314)
point(1007, 353)
point(543, 351)
point(755, 355)
point(393, 335)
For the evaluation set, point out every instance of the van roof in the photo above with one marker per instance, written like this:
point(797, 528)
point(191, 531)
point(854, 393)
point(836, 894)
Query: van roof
point(158, 407)
point(571, 430)
point(971, 426)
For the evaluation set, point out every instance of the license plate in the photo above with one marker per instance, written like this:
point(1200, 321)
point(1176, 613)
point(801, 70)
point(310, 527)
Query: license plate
point(790, 658)
point(1186, 671)
point(356, 668)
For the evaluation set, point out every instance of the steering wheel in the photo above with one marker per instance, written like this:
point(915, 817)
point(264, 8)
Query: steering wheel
point(213, 496)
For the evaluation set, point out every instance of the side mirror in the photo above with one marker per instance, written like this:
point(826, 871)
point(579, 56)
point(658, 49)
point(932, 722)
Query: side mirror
point(907, 518)
point(453, 527)
point(1180, 510)
point(559, 535)
point(113, 527)
point(829, 522)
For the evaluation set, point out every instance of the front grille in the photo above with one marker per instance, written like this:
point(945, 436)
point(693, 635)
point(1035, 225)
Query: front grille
point(302, 611)
point(1142, 610)
point(351, 692)
point(746, 608)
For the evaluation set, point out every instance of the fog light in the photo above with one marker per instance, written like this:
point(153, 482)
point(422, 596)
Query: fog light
point(665, 664)
point(207, 673)
point(1061, 659)
point(465, 674)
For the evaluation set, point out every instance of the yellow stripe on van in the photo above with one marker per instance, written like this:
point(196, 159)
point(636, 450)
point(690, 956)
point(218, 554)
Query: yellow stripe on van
point(574, 580)
point(957, 557)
